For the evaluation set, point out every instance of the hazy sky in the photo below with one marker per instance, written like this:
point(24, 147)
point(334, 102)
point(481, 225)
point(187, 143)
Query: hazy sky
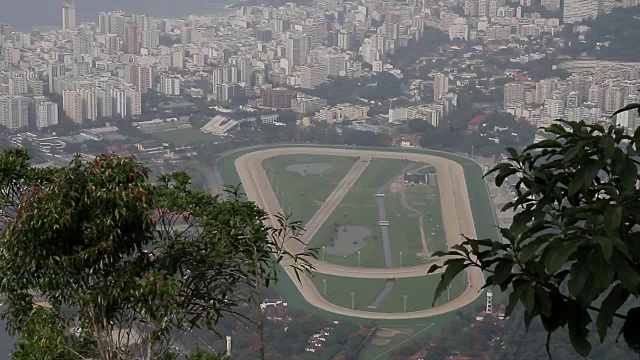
point(21, 13)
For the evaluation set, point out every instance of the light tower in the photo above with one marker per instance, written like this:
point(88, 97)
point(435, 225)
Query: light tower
point(228, 345)
point(489, 309)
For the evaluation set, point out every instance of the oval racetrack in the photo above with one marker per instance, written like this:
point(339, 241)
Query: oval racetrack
point(456, 213)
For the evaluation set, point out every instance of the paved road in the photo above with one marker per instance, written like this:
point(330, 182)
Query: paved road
point(457, 219)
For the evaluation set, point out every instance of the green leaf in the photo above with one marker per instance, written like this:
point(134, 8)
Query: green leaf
point(573, 152)
point(612, 219)
point(529, 298)
point(601, 270)
point(626, 108)
point(606, 244)
point(515, 296)
point(544, 301)
point(502, 271)
point(576, 183)
point(512, 152)
point(528, 251)
point(453, 267)
point(591, 171)
point(630, 329)
point(579, 276)
point(544, 144)
point(610, 305)
point(629, 174)
point(558, 254)
point(627, 275)
point(578, 337)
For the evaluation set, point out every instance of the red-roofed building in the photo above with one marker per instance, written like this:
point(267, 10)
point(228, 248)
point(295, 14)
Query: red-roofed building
point(476, 121)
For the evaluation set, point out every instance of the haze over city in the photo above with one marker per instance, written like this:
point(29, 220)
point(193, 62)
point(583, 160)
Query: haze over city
point(319, 179)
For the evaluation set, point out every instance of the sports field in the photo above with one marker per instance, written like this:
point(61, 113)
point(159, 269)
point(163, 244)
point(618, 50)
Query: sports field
point(303, 182)
point(400, 328)
point(359, 208)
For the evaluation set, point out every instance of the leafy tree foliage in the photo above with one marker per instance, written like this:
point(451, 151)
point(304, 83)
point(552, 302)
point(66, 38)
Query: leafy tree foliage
point(618, 29)
point(431, 39)
point(574, 238)
point(99, 262)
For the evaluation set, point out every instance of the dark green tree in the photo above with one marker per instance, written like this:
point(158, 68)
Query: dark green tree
point(574, 239)
point(97, 261)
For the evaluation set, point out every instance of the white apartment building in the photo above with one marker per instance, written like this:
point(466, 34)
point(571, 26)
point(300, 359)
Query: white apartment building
point(72, 105)
point(170, 85)
point(14, 111)
point(578, 10)
point(341, 112)
point(46, 114)
point(313, 75)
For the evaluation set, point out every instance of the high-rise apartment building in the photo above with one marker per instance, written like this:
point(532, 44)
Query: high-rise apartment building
point(170, 85)
point(186, 35)
point(72, 105)
point(104, 103)
point(554, 108)
point(119, 99)
point(217, 78)
point(82, 43)
point(89, 104)
point(577, 10)
point(177, 59)
point(46, 114)
point(116, 23)
point(14, 112)
point(613, 99)
point(150, 39)
point(513, 94)
point(18, 85)
point(297, 49)
point(112, 43)
point(440, 86)
point(131, 38)
point(141, 76)
point(69, 15)
point(134, 102)
point(243, 64)
point(313, 75)
point(55, 71)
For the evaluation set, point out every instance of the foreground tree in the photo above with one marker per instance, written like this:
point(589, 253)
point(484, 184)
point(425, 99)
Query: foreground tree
point(572, 253)
point(96, 261)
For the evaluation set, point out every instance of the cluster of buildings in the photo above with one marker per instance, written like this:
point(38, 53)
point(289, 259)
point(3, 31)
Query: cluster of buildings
point(318, 339)
point(593, 92)
point(101, 70)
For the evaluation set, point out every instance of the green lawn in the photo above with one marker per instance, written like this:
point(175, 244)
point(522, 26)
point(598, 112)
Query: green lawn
point(303, 195)
point(404, 230)
point(419, 291)
point(184, 137)
point(359, 207)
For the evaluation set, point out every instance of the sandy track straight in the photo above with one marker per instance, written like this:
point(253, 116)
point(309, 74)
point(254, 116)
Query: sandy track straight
point(457, 220)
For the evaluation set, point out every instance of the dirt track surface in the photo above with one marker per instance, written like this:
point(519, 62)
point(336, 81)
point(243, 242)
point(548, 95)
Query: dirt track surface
point(456, 210)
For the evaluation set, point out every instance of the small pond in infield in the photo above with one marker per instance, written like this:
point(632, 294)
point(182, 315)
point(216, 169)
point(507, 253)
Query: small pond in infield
point(348, 240)
point(309, 169)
